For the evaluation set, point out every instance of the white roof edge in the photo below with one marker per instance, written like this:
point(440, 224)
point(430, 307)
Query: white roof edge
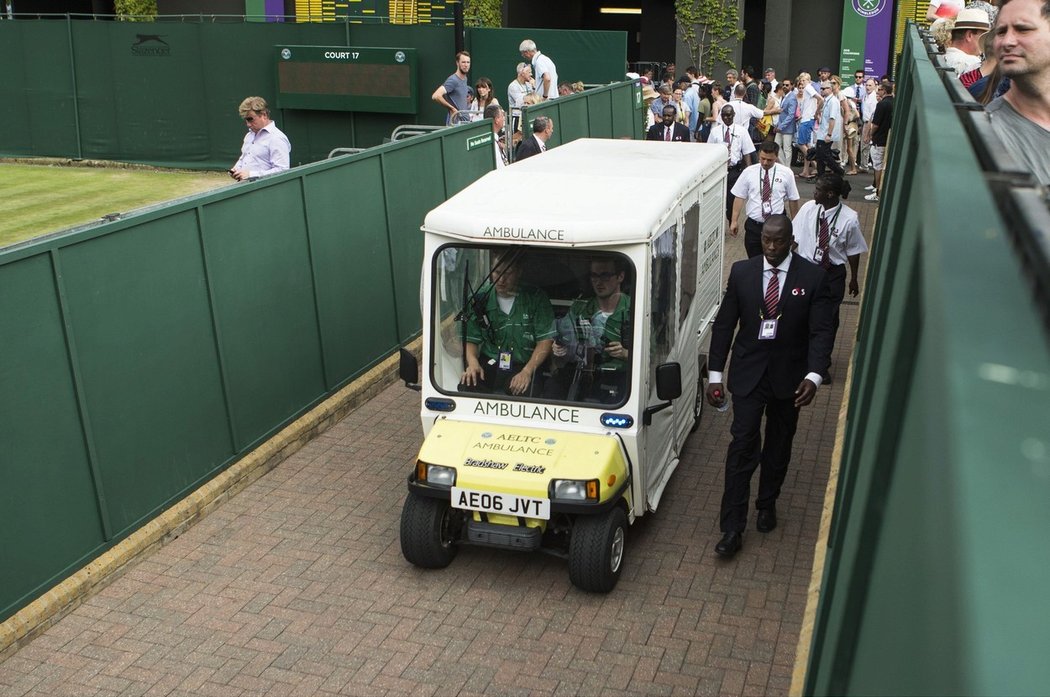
point(586, 193)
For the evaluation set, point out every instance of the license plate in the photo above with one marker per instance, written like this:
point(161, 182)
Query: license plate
point(504, 504)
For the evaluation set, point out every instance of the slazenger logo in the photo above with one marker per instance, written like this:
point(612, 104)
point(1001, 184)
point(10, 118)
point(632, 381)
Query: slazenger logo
point(869, 8)
point(152, 45)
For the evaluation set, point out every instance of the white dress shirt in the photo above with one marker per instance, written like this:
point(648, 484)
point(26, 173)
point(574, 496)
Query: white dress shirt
point(267, 151)
point(782, 190)
point(740, 143)
point(845, 240)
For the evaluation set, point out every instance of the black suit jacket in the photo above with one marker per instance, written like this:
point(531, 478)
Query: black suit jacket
point(680, 134)
point(805, 333)
point(527, 148)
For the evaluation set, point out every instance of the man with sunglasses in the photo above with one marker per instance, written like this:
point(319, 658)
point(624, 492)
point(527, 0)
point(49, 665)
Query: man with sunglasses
point(590, 349)
point(266, 150)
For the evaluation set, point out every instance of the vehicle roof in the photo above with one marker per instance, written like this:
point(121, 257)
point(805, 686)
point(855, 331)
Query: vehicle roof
point(587, 192)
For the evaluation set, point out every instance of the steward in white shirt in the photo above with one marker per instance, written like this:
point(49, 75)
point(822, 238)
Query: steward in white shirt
point(828, 233)
point(739, 145)
point(767, 189)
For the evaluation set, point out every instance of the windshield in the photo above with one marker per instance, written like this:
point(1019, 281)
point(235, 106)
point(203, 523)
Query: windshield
point(551, 325)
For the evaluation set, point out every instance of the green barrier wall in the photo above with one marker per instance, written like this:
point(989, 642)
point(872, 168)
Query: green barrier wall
point(615, 111)
point(87, 90)
point(935, 578)
point(140, 357)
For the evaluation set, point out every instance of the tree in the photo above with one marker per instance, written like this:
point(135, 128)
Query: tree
point(483, 13)
point(704, 26)
point(135, 10)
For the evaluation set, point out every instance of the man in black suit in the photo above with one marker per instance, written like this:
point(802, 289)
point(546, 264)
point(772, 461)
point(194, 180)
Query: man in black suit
point(668, 130)
point(783, 307)
point(542, 129)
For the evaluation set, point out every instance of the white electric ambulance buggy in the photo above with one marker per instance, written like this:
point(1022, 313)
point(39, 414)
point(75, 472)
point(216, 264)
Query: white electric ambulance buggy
point(566, 465)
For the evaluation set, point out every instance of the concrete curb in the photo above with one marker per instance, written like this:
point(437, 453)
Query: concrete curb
point(35, 618)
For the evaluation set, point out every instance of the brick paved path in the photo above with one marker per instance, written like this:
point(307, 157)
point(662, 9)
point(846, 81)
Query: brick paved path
point(297, 587)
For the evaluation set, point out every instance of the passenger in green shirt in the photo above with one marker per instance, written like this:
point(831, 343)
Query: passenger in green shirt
point(506, 355)
point(591, 346)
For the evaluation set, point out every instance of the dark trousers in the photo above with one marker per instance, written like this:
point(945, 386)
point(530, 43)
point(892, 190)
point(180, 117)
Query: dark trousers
point(731, 177)
point(826, 159)
point(747, 450)
point(752, 237)
point(837, 286)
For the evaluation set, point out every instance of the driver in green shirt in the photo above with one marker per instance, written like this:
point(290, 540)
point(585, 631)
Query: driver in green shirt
point(508, 342)
point(591, 346)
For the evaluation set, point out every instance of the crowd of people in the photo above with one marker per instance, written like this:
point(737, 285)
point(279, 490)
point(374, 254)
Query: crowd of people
point(535, 81)
point(818, 125)
point(1000, 52)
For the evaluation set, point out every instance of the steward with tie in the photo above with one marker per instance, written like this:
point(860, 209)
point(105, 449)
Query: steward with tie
point(739, 147)
point(779, 308)
point(668, 129)
point(827, 232)
point(767, 189)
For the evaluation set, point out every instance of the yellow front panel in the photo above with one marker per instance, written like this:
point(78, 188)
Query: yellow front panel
point(516, 460)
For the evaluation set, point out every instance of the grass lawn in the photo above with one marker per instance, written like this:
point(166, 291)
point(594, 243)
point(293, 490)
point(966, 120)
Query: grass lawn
point(38, 199)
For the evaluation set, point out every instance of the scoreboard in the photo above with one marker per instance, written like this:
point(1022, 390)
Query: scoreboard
point(347, 78)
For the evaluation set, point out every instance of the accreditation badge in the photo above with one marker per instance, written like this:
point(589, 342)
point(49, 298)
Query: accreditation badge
point(504, 360)
point(768, 330)
point(767, 209)
point(818, 256)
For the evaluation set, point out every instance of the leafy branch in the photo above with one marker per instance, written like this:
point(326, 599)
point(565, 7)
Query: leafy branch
point(483, 13)
point(705, 26)
point(135, 10)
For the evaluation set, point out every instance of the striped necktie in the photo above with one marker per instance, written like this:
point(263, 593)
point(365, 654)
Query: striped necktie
point(772, 293)
point(823, 241)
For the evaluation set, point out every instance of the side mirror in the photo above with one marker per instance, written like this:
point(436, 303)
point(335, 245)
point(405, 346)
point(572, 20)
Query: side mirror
point(408, 369)
point(668, 388)
point(669, 381)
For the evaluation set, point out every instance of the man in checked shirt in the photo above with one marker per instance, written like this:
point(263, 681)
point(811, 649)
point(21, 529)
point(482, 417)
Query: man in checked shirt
point(767, 189)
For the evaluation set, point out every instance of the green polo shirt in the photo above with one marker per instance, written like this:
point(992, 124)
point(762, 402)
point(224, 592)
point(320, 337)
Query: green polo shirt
point(530, 321)
point(614, 325)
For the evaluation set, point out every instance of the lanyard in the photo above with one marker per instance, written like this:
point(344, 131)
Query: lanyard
point(831, 225)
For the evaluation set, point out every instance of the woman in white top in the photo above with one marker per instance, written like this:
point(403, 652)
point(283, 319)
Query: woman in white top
point(483, 96)
point(681, 108)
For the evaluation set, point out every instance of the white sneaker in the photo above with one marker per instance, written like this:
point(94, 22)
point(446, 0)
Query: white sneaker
point(872, 197)
point(870, 187)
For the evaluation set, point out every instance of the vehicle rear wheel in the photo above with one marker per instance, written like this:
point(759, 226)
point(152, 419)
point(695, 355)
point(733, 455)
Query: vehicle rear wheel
point(596, 550)
point(429, 530)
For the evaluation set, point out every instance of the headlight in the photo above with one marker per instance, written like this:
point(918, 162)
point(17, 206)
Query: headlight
point(435, 474)
point(575, 489)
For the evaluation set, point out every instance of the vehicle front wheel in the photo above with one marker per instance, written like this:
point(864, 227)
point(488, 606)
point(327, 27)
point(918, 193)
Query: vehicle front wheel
point(596, 550)
point(429, 530)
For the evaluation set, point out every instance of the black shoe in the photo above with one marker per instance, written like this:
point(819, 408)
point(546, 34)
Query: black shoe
point(767, 519)
point(729, 545)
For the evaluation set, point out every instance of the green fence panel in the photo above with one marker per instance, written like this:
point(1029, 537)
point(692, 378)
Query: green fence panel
point(142, 356)
point(591, 57)
point(346, 235)
point(145, 346)
point(50, 518)
point(264, 306)
point(933, 582)
point(37, 106)
point(166, 93)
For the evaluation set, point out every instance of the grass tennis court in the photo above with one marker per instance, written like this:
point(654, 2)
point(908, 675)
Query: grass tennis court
point(38, 199)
